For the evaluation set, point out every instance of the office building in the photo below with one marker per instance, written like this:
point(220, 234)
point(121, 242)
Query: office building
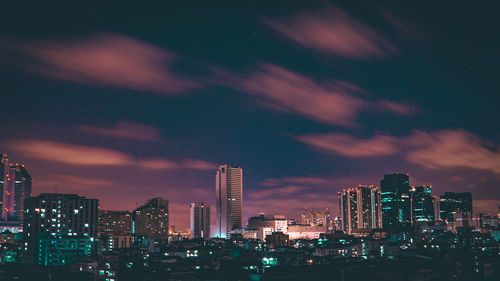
point(15, 187)
point(229, 200)
point(115, 222)
point(451, 203)
point(55, 217)
point(360, 208)
point(396, 201)
point(422, 204)
point(276, 223)
point(151, 219)
point(200, 220)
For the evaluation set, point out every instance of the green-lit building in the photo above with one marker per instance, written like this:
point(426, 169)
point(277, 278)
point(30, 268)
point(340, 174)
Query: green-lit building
point(396, 201)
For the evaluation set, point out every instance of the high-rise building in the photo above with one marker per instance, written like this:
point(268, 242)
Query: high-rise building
point(450, 203)
point(115, 222)
point(360, 208)
point(369, 207)
point(15, 187)
point(422, 204)
point(396, 202)
point(348, 209)
point(151, 219)
point(200, 220)
point(55, 217)
point(229, 200)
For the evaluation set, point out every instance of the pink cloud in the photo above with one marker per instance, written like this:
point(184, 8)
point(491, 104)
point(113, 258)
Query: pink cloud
point(332, 31)
point(451, 149)
point(73, 182)
point(399, 108)
point(97, 156)
point(69, 153)
point(165, 164)
point(124, 129)
point(292, 92)
point(107, 60)
point(348, 145)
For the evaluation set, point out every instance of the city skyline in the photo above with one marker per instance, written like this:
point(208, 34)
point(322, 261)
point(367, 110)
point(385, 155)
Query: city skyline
point(126, 103)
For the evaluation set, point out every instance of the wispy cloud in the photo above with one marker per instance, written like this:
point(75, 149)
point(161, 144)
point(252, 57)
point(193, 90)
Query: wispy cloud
point(106, 59)
point(73, 182)
point(331, 102)
point(97, 156)
point(451, 149)
point(292, 92)
point(333, 31)
point(348, 145)
point(123, 129)
point(70, 153)
point(435, 150)
point(164, 164)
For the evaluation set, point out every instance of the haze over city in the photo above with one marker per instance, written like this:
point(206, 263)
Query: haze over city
point(127, 103)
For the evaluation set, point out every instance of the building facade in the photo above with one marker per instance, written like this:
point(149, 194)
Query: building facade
point(151, 219)
point(396, 201)
point(200, 220)
point(360, 208)
point(55, 217)
point(450, 203)
point(115, 222)
point(229, 200)
point(15, 187)
point(422, 204)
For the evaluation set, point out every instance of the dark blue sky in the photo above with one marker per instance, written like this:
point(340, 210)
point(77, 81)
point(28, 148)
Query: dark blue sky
point(123, 102)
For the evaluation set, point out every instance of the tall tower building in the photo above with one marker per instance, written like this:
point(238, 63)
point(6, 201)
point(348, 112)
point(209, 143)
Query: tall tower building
point(200, 220)
point(229, 200)
point(369, 207)
point(422, 203)
point(151, 219)
point(15, 187)
point(360, 208)
point(396, 203)
point(115, 222)
point(451, 203)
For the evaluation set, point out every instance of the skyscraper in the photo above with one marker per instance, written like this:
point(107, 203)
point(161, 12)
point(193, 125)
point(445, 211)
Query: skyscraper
point(451, 203)
point(360, 208)
point(422, 203)
point(200, 220)
point(15, 187)
point(151, 219)
point(229, 200)
point(52, 217)
point(395, 195)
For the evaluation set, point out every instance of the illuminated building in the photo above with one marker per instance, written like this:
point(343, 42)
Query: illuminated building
point(450, 203)
point(229, 200)
point(115, 222)
point(304, 231)
point(395, 197)
point(315, 218)
point(55, 217)
point(151, 219)
point(15, 187)
point(60, 251)
point(422, 203)
point(360, 208)
point(277, 223)
point(200, 220)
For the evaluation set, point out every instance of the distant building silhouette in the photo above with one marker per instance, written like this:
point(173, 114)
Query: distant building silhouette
point(422, 204)
point(450, 203)
point(200, 220)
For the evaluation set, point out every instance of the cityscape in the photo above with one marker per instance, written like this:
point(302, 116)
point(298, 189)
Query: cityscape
point(249, 140)
point(384, 226)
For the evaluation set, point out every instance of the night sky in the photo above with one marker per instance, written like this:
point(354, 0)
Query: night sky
point(128, 101)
